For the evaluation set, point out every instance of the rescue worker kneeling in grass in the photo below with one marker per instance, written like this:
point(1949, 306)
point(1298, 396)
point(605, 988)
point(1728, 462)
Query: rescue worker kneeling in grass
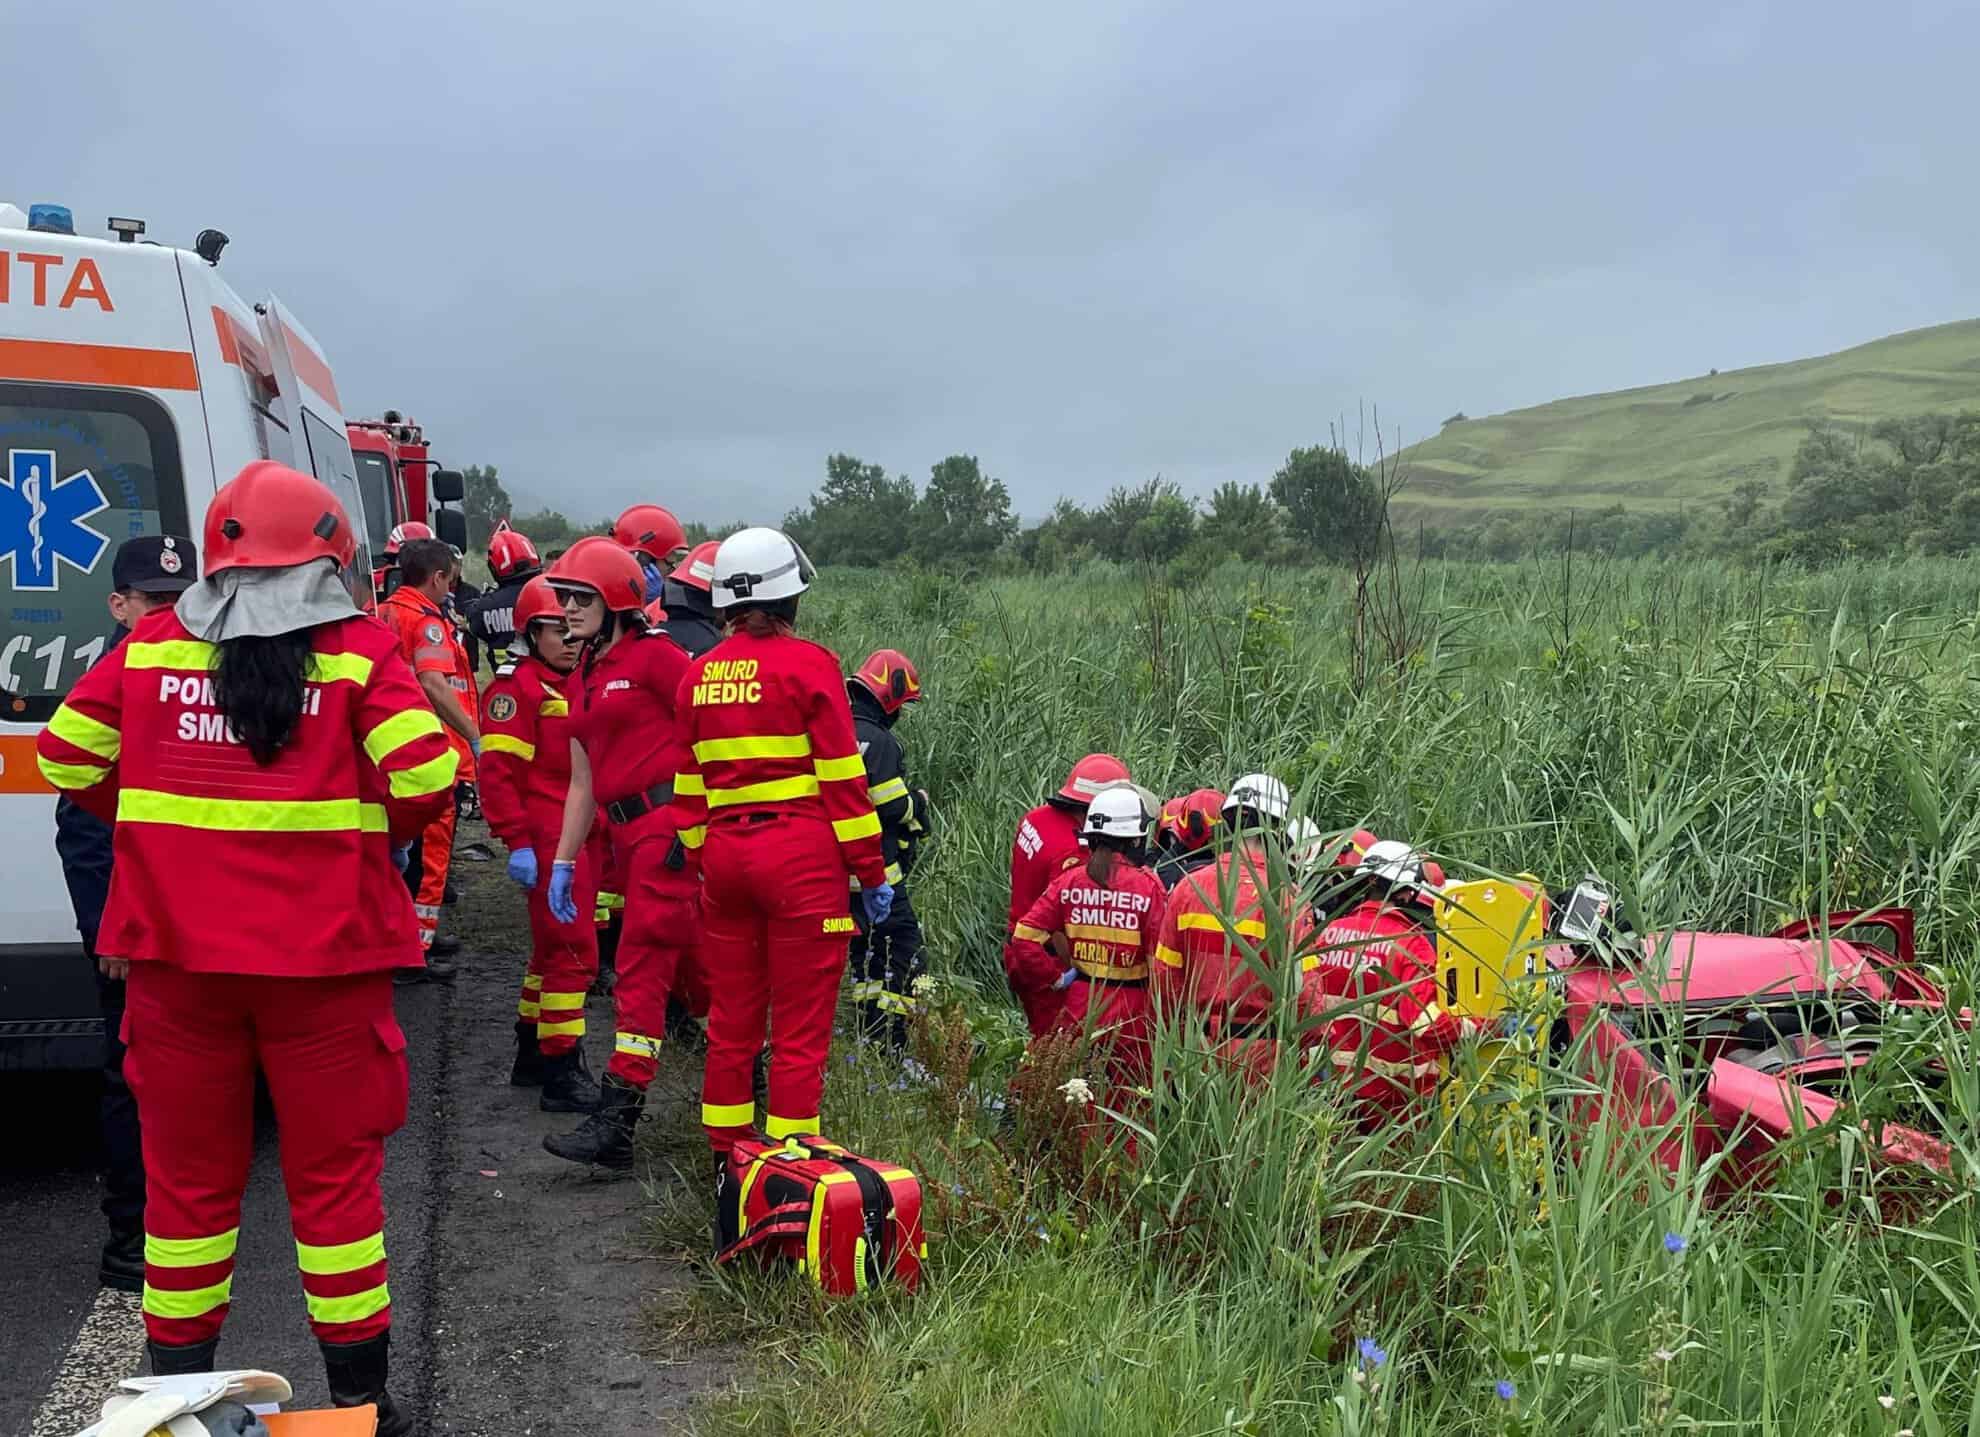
point(1092, 933)
point(887, 957)
point(266, 754)
point(1376, 969)
point(525, 776)
point(1217, 949)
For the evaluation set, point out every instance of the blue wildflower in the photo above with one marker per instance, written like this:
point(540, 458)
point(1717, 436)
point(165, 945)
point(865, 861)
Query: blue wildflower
point(1505, 1389)
point(1371, 1354)
point(1674, 1244)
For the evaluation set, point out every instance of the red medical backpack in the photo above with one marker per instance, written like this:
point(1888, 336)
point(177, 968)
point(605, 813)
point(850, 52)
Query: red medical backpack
point(848, 1222)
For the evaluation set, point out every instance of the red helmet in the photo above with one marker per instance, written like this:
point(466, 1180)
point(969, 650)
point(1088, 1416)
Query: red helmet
point(1090, 775)
point(509, 553)
point(1353, 846)
point(649, 529)
point(404, 534)
point(889, 676)
point(598, 564)
point(1192, 818)
point(269, 516)
point(697, 570)
point(536, 601)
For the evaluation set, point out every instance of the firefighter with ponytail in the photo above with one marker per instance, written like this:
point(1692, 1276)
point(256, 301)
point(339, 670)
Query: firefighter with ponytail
point(775, 796)
point(625, 751)
point(525, 775)
point(265, 753)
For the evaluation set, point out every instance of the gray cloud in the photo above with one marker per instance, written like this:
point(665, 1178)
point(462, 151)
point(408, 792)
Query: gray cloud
point(687, 251)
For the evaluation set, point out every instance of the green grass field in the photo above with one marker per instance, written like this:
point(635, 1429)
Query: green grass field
point(1731, 748)
point(1689, 441)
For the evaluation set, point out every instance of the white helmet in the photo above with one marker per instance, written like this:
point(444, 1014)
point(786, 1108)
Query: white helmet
point(1263, 794)
point(759, 566)
point(1306, 843)
point(1119, 810)
point(1391, 861)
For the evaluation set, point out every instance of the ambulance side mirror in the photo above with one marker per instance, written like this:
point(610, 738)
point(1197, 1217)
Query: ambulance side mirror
point(448, 487)
point(450, 527)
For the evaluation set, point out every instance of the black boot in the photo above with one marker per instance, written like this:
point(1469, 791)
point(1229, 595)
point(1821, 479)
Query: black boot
point(684, 1028)
point(171, 1361)
point(606, 1138)
point(608, 960)
point(568, 1086)
point(528, 1071)
point(357, 1376)
point(122, 1267)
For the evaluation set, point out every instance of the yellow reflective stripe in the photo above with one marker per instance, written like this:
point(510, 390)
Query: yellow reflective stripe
point(689, 785)
point(636, 1044)
point(1382, 1067)
point(893, 873)
point(554, 708)
point(730, 750)
point(71, 775)
point(329, 668)
point(1214, 923)
point(727, 1115)
point(434, 776)
point(1166, 955)
point(836, 770)
point(1030, 934)
point(190, 1251)
point(172, 654)
point(503, 743)
point(533, 980)
point(776, 1127)
point(187, 1302)
point(851, 830)
point(562, 1002)
point(341, 1256)
point(529, 1012)
point(813, 1247)
point(887, 792)
point(894, 1003)
point(242, 815)
point(1102, 934)
point(88, 734)
point(611, 900)
point(693, 837)
point(1118, 971)
point(407, 726)
point(355, 1308)
point(574, 1028)
point(775, 790)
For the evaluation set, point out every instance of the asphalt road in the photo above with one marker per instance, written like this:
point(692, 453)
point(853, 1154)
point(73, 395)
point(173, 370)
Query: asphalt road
point(521, 1301)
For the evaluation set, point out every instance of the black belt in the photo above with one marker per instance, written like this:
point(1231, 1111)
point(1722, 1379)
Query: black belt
point(640, 804)
point(1252, 1028)
point(1112, 982)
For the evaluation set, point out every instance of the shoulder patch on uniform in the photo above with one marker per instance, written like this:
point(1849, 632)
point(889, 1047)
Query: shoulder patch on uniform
point(435, 634)
point(501, 708)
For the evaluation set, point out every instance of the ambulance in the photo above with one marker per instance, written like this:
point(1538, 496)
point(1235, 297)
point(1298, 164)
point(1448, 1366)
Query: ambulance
point(133, 383)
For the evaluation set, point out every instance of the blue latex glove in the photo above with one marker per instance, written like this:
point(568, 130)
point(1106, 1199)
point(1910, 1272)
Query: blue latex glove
point(1066, 980)
point(522, 868)
point(656, 579)
point(402, 858)
point(474, 747)
point(563, 907)
point(879, 902)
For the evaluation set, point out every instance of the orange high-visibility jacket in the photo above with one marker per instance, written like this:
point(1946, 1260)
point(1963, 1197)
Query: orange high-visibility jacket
point(226, 866)
point(1213, 934)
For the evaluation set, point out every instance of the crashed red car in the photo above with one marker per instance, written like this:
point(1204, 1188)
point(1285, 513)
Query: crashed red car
point(1726, 1042)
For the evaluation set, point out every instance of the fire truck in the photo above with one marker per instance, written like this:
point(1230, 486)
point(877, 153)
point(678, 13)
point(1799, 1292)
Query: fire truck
point(134, 382)
point(401, 480)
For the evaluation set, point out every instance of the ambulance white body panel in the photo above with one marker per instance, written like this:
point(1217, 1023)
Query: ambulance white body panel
point(133, 383)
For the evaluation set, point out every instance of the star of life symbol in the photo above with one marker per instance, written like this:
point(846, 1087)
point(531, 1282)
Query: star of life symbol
point(41, 520)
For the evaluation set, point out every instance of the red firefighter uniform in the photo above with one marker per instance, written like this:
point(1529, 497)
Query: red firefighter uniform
point(261, 913)
point(1110, 932)
point(1214, 949)
point(428, 642)
point(776, 777)
point(525, 773)
point(1047, 844)
point(1377, 958)
point(630, 732)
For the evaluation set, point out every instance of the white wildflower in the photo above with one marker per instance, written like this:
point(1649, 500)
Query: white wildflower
point(1886, 1401)
point(923, 986)
point(1077, 1092)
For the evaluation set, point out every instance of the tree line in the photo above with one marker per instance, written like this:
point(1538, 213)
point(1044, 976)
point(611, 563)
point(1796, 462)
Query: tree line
point(1904, 486)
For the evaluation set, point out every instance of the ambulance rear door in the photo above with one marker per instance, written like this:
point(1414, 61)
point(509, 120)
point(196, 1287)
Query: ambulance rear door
point(309, 406)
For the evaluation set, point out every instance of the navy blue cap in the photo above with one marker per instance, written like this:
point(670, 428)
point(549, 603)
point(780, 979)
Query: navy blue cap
point(155, 564)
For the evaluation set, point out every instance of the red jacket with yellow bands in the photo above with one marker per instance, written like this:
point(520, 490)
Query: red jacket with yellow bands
point(525, 753)
point(1378, 962)
point(1110, 929)
point(766, 725)
point(623, 714)
point(1214, 936)
point(226, 866)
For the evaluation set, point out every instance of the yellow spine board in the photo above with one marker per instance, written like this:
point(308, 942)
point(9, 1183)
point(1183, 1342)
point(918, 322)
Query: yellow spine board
point(1489, 935)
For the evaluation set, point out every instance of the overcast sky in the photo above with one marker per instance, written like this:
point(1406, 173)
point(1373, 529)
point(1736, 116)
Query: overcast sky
point(684, 250)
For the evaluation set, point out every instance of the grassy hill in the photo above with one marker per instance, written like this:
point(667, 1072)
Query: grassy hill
point(1672, 444)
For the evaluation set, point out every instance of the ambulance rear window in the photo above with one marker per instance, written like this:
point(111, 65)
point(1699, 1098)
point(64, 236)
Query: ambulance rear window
point(374, 472)
point(84, 469)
